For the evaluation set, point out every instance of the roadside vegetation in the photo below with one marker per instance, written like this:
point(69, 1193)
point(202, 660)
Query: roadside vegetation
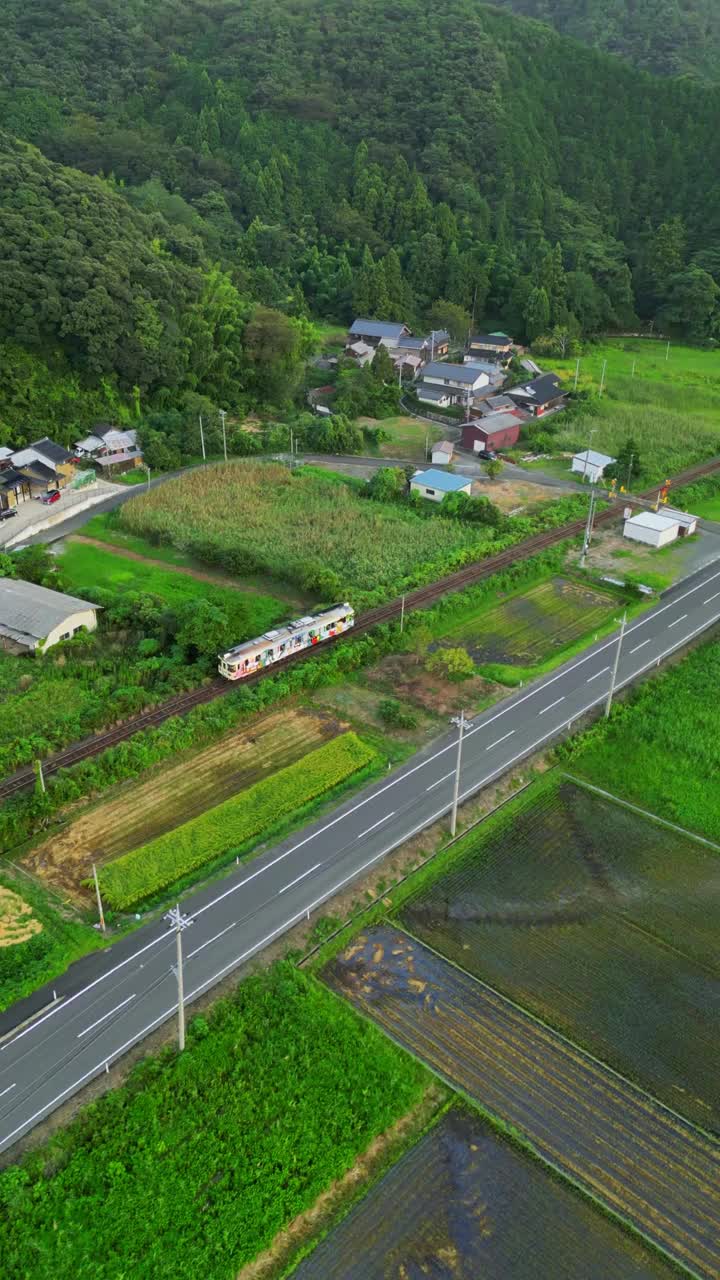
point(278, 1091)
point(668, 727)
point(232, 828)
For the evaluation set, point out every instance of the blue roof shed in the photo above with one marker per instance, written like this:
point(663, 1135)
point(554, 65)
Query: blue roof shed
point(441, 480)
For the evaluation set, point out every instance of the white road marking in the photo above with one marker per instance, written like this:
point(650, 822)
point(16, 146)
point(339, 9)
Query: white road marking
point(551, 705)
point(443, 779)
point(499, 740)
point(601, 672)
point(641, 645)
point(299, 878)
point(717, 593)
point(8, 1090)
point(215, 937)
point(674, 624)
point(376, 824)
point(109, 1014)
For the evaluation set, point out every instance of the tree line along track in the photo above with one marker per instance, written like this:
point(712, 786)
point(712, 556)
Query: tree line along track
point(422, 596)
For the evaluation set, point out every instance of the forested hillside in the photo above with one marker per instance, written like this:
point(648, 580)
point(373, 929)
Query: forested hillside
point(206, 176)
point(667, 37)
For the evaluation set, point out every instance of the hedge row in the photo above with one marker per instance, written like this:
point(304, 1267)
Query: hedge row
point(230, 825)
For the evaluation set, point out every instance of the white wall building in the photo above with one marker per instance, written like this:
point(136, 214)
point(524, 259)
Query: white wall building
point(33, 617)
point(591, 465)
point(652, 528)
point(442, 453)
point(435, 485)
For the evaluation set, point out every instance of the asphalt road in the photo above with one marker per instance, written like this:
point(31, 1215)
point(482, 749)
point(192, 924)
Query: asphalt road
point(112, 1000)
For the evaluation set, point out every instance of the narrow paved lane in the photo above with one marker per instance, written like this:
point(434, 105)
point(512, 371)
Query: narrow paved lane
point(111, 1000)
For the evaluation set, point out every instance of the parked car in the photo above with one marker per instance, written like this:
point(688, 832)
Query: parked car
point(8, 513)
point(53, 495)
point(487, 455)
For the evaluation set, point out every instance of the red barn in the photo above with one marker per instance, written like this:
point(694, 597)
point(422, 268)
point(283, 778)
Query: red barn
point(497, 431)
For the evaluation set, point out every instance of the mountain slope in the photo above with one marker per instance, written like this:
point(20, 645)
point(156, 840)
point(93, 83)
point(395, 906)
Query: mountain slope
point(666, 37)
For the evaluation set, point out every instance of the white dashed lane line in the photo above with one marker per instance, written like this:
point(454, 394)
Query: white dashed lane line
point(640, 646)
point(674, 624)
point(552, 704)
point(109, 1014)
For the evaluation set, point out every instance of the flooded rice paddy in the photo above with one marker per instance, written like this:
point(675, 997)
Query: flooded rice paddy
point(527, 628)
point(602, 923)
point(463, 1204)
point(641, 1161)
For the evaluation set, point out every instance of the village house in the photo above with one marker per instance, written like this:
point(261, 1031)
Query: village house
point(110, 449)
point(487, 435)
point(447, 384)
point(493, 347)
point(375, 332)
point(436, 485)
point(360, 352)
point(35, 618)
point(539, 396)
point(31, 471)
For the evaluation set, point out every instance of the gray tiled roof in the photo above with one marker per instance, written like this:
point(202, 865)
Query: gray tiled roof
point(377, 328)
point(30, 610)
point(455, 372)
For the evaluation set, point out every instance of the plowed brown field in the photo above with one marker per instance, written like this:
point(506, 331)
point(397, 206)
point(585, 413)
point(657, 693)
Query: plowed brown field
point(174, 795)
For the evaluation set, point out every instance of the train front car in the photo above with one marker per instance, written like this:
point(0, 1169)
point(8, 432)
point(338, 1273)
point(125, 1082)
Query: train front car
point(276, 645)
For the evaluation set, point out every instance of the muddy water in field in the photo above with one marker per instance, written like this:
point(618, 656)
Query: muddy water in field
point(640, 1160)
point(527, 628)
point(462, 1204)
point(602, 923)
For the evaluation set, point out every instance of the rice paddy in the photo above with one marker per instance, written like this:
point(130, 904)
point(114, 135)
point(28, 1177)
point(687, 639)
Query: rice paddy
point(602, 923)
point(465, 1204)
point(528, 627)
point(644, 1163)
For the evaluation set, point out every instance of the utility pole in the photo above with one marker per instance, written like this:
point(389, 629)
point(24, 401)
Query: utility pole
point(223, 415)
point(616, 664)
point(148, 476)
point(41, 776)
point(101, 913)
point(588, 528)
point(630, 467)
point(432, 344)
point(202, 436)
point(402, 615)
point(591, 433)
point(472, 319)
point(667, 352)
point(427, 444)
point(602, 378)
point(292, 448)
point(180, 922)
point(577, 374)
point(632, 375)
point(462, 725)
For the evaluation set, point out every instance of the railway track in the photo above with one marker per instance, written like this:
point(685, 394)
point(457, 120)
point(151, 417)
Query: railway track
point(422, 596)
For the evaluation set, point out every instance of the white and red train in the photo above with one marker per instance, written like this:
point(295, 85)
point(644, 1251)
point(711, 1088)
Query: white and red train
point(273, 646)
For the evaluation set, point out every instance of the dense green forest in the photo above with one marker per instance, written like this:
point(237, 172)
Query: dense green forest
point(667, 37)
point(202, 178)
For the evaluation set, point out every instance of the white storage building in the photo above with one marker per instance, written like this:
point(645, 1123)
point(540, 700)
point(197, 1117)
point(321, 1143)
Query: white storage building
point(442, 453)
point(652, 528)
point(435, 485)
point(590, 465)
point(33, 617)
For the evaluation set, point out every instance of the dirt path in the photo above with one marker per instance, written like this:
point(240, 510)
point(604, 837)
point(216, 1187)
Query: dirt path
point(217, 579)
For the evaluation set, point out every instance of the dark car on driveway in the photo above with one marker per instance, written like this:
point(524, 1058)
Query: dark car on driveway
point(53, 495)
point(486, 455)
point(8, 513)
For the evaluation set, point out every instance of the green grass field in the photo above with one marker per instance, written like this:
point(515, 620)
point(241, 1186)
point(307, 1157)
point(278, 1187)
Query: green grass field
point(84, 566)
point(669, 729)
point(205, 1157)
point(670, 407)
point(31, 955)
point(408, 437)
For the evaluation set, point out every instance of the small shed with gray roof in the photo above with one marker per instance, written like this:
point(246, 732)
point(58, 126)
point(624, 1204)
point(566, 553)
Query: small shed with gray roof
point(35, 618)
